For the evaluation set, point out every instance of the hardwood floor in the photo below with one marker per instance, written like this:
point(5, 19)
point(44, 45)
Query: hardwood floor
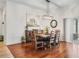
point(65, 50)
point(4, 51)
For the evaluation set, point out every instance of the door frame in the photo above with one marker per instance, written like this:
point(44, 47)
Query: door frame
point(64, 27)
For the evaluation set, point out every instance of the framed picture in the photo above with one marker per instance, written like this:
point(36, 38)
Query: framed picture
point(53, 23)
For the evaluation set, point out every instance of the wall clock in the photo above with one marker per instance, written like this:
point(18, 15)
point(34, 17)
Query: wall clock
point(53, 23)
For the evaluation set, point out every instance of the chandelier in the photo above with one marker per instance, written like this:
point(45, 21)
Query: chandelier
point(47, 15)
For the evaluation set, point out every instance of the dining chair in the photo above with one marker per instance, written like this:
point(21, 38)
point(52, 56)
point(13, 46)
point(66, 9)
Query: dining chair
point(57, 37)
point(52, 38)
point(37, 42)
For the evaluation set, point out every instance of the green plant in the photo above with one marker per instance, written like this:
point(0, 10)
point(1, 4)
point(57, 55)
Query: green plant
point(22, 39)
point(46, 29)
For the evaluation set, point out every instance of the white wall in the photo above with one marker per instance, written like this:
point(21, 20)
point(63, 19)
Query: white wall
point(38, 15)
point(0, 23)
point(16, 20)
point(1, 20)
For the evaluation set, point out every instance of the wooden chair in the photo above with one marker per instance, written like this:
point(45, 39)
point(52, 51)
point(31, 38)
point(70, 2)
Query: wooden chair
point(52, 39)
point(37, 42)
point(57, 37)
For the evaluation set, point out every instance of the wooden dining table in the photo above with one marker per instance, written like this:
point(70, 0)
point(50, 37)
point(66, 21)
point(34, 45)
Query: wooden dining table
point(43, 35)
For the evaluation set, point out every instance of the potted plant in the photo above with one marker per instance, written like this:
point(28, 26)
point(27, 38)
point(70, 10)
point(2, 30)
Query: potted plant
point(46, 30)
point(23, 39)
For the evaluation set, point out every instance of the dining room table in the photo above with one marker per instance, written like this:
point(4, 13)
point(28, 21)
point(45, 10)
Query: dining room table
point(43, 35)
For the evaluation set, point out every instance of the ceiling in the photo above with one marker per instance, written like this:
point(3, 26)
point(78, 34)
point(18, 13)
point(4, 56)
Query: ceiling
point(42, 3)
point(64, 2)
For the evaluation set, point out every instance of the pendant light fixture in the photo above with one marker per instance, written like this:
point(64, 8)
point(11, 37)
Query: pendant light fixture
point(47, 15)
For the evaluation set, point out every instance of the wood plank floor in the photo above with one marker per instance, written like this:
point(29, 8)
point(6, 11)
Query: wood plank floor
point(4, 51)
point(65, 50)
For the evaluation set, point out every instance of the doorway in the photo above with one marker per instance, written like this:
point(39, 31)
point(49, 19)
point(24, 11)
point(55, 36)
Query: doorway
point(71, 29)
